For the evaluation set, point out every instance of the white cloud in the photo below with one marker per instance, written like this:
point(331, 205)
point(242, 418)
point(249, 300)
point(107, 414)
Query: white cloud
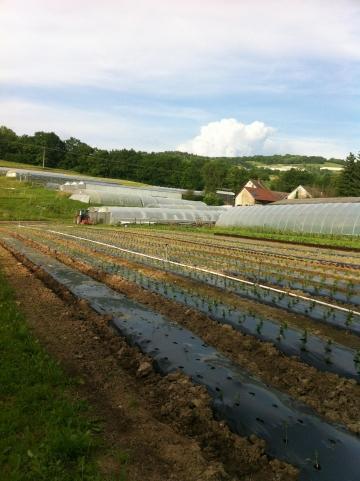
point(229, 138)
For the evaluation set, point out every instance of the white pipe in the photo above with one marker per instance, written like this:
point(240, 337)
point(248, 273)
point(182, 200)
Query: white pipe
point(219, 274)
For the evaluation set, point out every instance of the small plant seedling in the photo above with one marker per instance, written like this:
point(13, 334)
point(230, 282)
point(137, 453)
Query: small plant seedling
point(304, 339)
point(259, 326)
point(349, 319)
point(328, 346)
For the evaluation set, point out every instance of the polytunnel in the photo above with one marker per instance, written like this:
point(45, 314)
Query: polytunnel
point(323, 218)
point(143, 215)
point(126, 199)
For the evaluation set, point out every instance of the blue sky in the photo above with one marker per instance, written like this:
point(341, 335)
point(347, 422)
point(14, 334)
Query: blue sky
point(231, 77)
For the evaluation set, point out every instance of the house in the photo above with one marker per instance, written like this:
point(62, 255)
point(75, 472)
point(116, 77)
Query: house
point(254, 192)
point(305, 192)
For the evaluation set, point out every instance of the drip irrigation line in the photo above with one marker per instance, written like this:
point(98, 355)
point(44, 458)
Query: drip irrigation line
point(215, 273)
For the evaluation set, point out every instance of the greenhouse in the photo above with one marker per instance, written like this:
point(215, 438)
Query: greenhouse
point(139, 215)
point(75, 187)
point(321, 218)
point(126, 199)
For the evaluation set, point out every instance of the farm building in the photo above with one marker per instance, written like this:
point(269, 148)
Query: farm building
point(139, 215)
point(305, 192)
point(254, 192)
point(320, 217)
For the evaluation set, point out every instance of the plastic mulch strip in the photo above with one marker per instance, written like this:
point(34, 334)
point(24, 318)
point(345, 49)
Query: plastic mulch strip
point(292, 431)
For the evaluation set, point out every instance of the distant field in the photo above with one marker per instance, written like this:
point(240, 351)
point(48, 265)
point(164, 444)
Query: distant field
point(19, 165)
point(21, 201)
point(284, 167)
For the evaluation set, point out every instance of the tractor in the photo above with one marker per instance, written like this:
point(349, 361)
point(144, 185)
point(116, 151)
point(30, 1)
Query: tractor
point(82, 217)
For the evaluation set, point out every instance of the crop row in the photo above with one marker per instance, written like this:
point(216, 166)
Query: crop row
point(327, 313)
point(310, 282)
point(322, 354)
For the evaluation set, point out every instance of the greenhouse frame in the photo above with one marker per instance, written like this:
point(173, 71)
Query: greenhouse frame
point(321, 218)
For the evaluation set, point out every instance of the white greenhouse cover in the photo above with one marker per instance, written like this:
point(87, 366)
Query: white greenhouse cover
point(138, 215)
point(126, 199)
point(322, 218)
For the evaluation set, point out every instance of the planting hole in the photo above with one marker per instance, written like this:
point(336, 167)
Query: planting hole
point(260, 420)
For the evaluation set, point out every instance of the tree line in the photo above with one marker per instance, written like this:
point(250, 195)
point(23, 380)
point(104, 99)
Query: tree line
point(177, 169)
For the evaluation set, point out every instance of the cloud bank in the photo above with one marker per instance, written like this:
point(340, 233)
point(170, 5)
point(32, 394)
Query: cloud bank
point(231, 138)
point(175, 45)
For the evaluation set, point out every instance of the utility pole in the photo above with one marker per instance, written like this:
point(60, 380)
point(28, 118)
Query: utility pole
point(43, 157)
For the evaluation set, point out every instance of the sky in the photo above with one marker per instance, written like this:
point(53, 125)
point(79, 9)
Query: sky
point(212, 77)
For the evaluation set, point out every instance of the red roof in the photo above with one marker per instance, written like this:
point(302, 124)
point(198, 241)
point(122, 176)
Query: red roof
point(262, 194)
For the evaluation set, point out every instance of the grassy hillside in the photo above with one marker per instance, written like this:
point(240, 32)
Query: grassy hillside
point(19, 165)
point(22, 201)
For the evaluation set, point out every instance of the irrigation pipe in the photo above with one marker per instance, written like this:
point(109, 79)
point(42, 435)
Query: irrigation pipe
point(207, 271)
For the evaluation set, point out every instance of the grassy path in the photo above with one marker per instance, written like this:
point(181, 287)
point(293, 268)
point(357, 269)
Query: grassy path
point(45, 434)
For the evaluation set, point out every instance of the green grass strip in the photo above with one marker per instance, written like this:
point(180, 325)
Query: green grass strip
point(45, 433)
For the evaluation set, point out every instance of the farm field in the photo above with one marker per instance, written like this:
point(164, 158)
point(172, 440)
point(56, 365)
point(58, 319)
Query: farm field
point(270, 330)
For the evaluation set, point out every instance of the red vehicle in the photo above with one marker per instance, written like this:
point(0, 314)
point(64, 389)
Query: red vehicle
point(83, 217)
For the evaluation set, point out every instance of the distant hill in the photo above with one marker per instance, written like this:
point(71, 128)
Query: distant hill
point(169, 169)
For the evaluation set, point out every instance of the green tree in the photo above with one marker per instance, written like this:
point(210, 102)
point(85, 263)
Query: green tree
point(236, 178)
point(8, 143)
point(289, 180)
point(210, 198)
point(76, 153)
point(349, 180)
point(214, 173)
point(54, 148)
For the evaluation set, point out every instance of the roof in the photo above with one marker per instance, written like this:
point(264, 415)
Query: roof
point(320, 200)
point(225, 192)
point(258, 184)
point(265, 195)
point(313, 191)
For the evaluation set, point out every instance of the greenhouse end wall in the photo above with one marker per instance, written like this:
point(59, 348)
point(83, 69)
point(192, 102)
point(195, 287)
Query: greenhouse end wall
point(322, 218)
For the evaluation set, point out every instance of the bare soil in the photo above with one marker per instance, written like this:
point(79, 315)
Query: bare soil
point(164, 423)
point(334, 398)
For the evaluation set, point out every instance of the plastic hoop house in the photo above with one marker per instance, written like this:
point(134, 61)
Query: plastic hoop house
point(328, 218)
